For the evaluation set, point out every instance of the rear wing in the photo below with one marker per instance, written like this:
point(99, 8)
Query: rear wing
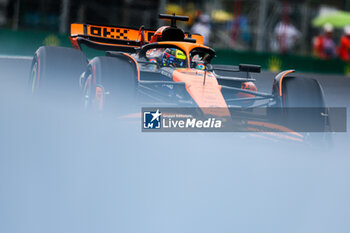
point(109, 38)
point(114, 38)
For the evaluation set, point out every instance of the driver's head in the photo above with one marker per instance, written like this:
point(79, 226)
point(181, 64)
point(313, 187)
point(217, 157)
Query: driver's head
point(174, 57)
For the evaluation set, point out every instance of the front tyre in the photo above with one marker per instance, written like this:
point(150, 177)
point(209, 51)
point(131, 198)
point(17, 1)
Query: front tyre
point(303, 104)
point(110, 84)
point(302, 92)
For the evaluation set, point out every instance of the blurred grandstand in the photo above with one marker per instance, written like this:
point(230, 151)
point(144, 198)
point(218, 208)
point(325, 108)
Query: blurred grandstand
point(247, 25)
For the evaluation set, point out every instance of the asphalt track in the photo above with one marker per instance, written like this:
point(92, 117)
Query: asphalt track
point(60, 172)
point(336, 88)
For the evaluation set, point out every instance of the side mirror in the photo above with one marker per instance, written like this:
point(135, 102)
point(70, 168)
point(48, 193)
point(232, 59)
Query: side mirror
point(209, 67)
point(249, 68)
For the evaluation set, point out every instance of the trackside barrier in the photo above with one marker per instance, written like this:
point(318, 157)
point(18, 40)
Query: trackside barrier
point(277, 62)
point(26, 42)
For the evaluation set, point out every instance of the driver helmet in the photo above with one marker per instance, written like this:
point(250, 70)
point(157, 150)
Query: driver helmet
point(174, 57)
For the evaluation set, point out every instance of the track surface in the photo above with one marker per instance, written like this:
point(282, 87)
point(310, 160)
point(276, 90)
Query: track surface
point(336, 88)
point(68, 175)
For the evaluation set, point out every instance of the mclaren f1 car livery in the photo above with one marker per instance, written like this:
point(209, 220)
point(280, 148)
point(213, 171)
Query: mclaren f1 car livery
point(164, 67)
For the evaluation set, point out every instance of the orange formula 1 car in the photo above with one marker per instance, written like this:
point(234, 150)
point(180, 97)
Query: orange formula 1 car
point(164, 67)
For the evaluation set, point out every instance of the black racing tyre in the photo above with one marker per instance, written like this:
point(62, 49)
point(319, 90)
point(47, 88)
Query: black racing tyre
point(303, 104)
point(110, 85)
point(55, 73)
point(304, 108)
point(302, 92)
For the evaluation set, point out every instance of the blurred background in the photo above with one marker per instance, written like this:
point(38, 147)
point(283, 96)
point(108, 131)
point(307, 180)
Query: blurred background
point(61, 171)
point(273, 33)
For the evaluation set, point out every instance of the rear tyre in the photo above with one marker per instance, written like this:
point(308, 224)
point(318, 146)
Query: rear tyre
point(55, 73)
point(110, 85)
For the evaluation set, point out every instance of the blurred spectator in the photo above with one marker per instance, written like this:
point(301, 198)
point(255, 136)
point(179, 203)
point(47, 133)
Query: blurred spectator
point(240, 30)
point(344, 46)
point(202, 27)
point(286, 37)
point(324, 46)
point(3, 12)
